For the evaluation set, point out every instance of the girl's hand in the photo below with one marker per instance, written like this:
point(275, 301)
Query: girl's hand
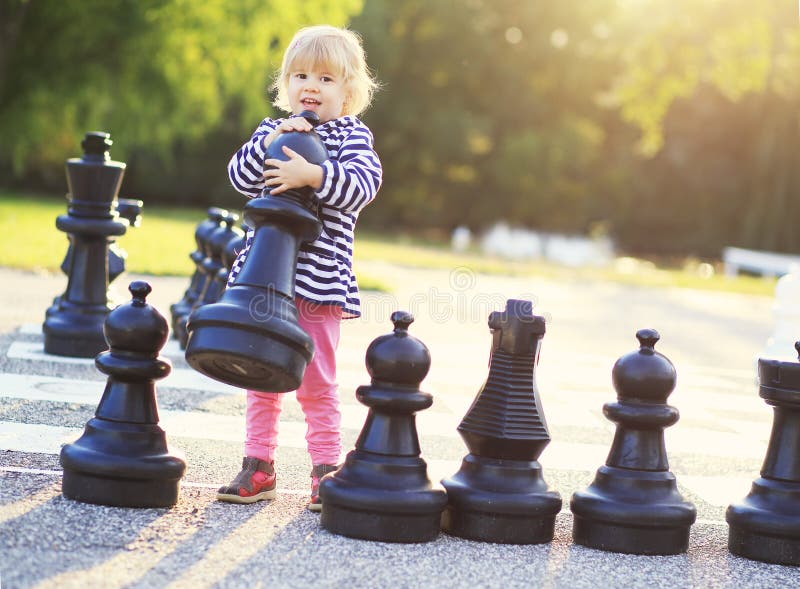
point(287, 126)
point(292, 173)
point(293, 124)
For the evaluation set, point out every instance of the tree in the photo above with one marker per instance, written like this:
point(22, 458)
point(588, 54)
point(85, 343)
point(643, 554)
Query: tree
point(713, 86)
point(490, 111)
point(155, 73)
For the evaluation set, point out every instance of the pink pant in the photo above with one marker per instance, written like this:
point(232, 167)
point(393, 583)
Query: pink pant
point(318, 395)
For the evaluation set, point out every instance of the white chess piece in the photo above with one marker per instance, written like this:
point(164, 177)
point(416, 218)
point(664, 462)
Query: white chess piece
point(786, 317)
point(461, 239)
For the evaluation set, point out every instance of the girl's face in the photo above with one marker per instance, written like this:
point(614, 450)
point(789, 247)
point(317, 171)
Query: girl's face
point(318, 90)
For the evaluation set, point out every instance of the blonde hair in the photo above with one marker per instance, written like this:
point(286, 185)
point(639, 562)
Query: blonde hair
point(339, 50)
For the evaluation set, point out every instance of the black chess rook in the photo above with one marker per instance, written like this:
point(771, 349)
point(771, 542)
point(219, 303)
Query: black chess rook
point(499, 493)
point(382, 492)
point(633, 506)
point(765, 525)
point(122, 458)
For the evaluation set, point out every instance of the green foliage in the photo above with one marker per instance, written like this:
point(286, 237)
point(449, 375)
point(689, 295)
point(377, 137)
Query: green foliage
point(527, 111)
point(153, 73)
point(161, 246)
point(737, 46)
point(489, 111)
point(713, 86)
point(672, 125)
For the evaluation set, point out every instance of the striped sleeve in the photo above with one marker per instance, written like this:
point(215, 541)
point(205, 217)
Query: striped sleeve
point(351, 180)
point(247, 165)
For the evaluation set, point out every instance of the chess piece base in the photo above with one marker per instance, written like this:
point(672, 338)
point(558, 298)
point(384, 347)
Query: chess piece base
point(502, 501)
point(121, 464)
point(632, 511)
point(78, 335)
point(764, 547)
point(391, 500)
point(500, 529)
point(383, 527)
point(89, 488)
point(765, 526)
point(630, 539)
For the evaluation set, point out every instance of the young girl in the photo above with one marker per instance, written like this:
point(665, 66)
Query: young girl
point(323, 70)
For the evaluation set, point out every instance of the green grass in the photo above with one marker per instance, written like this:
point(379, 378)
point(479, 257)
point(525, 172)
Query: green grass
point(31, 241)
point(161, 246)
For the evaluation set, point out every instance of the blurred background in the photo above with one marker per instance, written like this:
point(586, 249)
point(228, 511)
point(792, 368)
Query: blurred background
point(670, 127)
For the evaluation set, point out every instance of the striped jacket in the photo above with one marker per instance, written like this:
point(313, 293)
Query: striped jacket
point(350, 180)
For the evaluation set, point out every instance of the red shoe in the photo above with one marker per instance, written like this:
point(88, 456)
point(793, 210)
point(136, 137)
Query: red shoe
point(255, 482)
point(317, 473)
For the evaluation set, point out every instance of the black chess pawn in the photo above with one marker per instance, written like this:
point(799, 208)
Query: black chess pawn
point(122, 458)
point(73, 325)
point(251, 338)
point(499, 494)
point(212, 263)
point(229, 255)
point(633, 505)
point(382, 492)
point(182, 308)
point(130, 209)
point(765, 525)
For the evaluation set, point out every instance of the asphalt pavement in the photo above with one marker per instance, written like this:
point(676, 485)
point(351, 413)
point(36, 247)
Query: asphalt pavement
point(715, 450)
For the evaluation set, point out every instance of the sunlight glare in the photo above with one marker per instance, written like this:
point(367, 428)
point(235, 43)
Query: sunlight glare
point(513, 35)
point(559, 38)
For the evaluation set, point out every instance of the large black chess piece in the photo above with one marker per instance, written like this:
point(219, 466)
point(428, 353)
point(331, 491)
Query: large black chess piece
point(382, 492)
point(765, 525)
point(73, 326)
point(251, 338)
point(182, 308)
point(633, 505)
point(499, 494)
point(122, 457)
point(211, 288)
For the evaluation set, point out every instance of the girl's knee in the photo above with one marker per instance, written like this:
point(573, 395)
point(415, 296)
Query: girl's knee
point(262, 399)
point(326, 394)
